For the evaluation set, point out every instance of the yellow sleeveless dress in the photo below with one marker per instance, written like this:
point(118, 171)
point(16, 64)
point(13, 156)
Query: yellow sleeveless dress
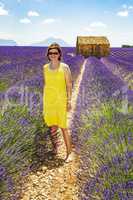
point(55, 96)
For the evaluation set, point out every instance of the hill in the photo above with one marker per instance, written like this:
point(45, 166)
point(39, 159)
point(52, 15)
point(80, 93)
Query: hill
point(50, 40)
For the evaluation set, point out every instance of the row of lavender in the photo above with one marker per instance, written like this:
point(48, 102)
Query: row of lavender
point(21, 54)
point(124, 54)
point(120, 62)
point(23, 134)
point(15, 122)
point(102, 130)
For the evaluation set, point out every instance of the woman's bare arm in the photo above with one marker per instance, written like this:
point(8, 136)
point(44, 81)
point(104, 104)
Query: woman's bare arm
point(68, 78)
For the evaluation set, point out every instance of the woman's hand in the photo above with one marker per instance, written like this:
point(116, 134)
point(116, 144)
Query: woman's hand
point(69, 106)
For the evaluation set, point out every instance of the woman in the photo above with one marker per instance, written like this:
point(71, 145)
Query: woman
point(57, 95)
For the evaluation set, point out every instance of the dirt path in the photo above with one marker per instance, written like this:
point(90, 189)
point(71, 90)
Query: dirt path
point(55, 179)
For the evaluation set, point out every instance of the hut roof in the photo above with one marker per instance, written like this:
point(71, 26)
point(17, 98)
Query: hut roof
point(92, 40)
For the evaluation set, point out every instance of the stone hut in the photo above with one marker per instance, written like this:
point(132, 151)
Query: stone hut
point(98, 46)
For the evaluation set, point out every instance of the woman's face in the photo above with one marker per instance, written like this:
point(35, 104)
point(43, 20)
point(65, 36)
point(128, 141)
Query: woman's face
point(53, 54)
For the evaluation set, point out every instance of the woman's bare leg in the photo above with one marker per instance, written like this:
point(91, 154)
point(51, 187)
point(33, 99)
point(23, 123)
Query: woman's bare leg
point(53, 130)
point(54, 127)
point(67, 139)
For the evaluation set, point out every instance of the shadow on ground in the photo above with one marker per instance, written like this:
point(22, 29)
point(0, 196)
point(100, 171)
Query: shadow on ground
point(43, 155)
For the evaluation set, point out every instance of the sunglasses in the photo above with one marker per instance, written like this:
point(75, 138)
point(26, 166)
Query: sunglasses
point(55, 53)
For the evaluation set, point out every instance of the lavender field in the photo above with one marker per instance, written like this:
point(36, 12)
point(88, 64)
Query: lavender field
point(102, 124)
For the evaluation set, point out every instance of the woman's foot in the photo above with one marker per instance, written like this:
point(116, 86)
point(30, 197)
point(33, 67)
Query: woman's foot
point(69, 157)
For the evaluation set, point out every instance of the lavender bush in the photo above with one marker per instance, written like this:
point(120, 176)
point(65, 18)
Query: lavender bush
point(102, 131)
point(109, 149)
point(20, 133)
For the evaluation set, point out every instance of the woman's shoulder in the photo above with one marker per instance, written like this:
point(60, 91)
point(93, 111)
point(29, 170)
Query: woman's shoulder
point(45, 65)
point(65, 66)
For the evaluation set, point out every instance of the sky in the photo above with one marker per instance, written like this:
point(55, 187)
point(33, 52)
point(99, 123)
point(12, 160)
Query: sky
point(31, 21)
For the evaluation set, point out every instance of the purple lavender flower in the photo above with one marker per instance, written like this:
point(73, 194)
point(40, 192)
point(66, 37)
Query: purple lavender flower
point(2, 171)
point(107, 194)
point(23, 122)
point(10, 183)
